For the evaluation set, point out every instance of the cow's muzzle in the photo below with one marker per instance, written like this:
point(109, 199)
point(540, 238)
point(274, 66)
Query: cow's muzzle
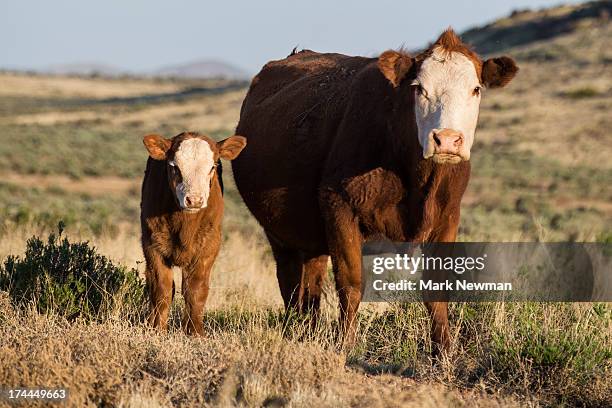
point(448, 146)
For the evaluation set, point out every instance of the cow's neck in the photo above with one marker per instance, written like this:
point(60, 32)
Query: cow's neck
point(437, 187)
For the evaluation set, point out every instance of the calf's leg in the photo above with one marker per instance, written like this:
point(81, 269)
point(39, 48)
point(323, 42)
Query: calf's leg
point(160, 284)
point(196, 281)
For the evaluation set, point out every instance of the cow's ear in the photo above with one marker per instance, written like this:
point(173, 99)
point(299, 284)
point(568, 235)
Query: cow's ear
point(231, 147)
point(394, 66)
point(157, 146)
point(498, 72)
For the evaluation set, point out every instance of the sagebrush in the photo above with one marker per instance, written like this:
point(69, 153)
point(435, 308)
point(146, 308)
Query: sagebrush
point(70, 279)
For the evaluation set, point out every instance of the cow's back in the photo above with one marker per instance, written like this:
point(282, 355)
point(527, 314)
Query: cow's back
point(289, 117)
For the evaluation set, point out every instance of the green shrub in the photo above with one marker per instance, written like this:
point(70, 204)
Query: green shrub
point(70, 279)
point(582, 93)
point(575, 343)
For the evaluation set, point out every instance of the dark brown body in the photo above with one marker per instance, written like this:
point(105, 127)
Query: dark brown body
point(171, 237)
point(333, 159)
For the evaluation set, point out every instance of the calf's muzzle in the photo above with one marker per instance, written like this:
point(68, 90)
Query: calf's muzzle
point(193, 202)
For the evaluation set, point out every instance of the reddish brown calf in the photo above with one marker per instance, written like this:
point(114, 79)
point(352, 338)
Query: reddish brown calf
point(181, 213)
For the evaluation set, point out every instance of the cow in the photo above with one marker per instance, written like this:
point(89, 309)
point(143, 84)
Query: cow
point(342, 149)
point(181, 214)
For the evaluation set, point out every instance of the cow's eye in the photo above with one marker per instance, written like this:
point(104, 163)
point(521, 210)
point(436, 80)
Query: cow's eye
point(476, 91)
point(171, 163)
point(421, 91)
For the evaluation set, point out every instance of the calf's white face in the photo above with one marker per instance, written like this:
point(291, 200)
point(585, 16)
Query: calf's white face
point(194, 167)
point(190, 161)
point(447, 104)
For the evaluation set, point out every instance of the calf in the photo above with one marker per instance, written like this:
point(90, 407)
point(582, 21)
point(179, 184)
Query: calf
point(180, 214)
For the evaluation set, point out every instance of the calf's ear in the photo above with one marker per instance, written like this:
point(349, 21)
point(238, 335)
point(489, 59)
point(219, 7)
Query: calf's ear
point(231, 147)
point(157, 146)
point(498, 72)
point(394, 66)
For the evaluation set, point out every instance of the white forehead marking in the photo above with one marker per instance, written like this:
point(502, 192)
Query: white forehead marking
point(443, 69)
point(193, 153)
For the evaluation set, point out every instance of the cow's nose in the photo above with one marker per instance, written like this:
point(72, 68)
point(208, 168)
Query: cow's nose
point(193, 201)
point(447, 141)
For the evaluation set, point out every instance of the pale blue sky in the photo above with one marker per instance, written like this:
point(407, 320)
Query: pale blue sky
point(144, 35)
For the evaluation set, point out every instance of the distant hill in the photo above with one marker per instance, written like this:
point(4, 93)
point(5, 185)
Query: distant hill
point(84, 69)
point(202, 69)
point(527, 26)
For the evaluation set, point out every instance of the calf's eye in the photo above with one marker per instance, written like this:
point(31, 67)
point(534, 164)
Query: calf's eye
point(476, 91)
point(174, 170)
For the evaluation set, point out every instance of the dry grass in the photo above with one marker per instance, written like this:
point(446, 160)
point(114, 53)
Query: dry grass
point(502, 354)
point(134, 367)
point(92, 185)
point(244, 360)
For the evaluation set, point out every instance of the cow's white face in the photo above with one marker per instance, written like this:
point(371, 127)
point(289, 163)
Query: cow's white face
point(447, 84)
point(447, 104)
point(190, 172)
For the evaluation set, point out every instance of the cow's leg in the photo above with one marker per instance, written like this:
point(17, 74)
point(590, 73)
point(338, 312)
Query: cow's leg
point(288, 272)
point(314, 269)
point(344, 241)
point(196, 283)
point(347, 273)
point(160, 284)
point(438, 311)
